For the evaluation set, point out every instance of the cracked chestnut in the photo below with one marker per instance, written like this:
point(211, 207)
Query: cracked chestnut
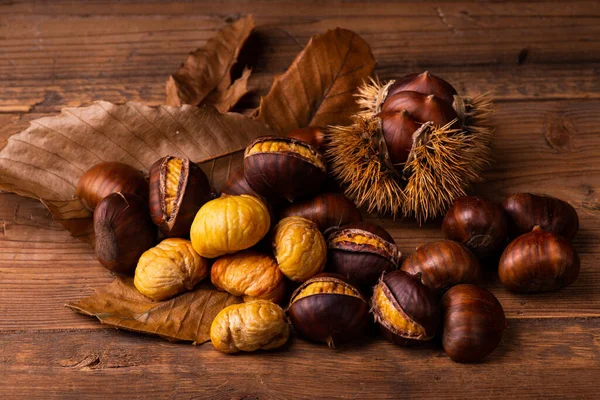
point(283, 168)
point(109, 177)
point(123, 231)
point(538, 261)
point(526, 210)
point(178, 188)
point(406, 310)
point(473, 323)
point(360, 255)
point(443, 264)
point(478, 223)
point(328, 309)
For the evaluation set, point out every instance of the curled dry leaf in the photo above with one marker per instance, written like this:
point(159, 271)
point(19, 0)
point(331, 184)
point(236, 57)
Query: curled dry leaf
point(205, 76)
point(183, 318)
point(318, 88)
point(46, 160)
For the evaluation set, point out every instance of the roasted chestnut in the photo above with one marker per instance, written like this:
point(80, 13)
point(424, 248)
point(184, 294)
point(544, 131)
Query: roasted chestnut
point(526, 210)
point(360, 256)
point(473, 323)
point(328, 309)
point(443, 264)
point(123, 230)
point(326, 209)
point(371, 227)
point(313, 135)
point(538, 261)
point(109, 177)
point(283, 168)
point(406, 310)
point(478, 223)
point(178, 188)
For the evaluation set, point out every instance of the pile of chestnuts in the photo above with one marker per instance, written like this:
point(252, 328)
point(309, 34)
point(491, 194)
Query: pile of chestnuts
point(275, 236)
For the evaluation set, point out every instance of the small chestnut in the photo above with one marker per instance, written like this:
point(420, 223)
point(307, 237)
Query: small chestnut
point(123, 230)
point(283, 168)
point(406, 310)
point(178, 188)
point(473, 323)
point(538, 261)
point(109, 177)
point(313, 135)
point(526, 210)
point(360, 256)
point(326, 210)
point(478, 223)
point(443, 264)
point(328, 309)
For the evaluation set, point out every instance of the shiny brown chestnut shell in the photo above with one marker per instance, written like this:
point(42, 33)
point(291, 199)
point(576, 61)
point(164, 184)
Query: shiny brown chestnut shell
point(398, 130)
point(178, 188)
point(424, 83)
point(237, 184)
point(326, 210)
point(421, 108)
point(538, 261)
point(360, 256)
point(109, 177)
point(526, 210)
point(328, 309)
point(283, 168)
point(313, 135)
point(478, 223)
point(406, 310)
point(123, 231)
point(443, 264)
point(473, 323)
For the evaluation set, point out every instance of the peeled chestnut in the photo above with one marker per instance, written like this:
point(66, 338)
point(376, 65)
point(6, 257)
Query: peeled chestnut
point(109, 177)
point(123, 230)
point(538, 261)
point(443, 264)
point(313, 135)
point(284, 168)
point(360, 256)
point(406, 310)
point(473, 323)
point(478, 223)
point(178, 188)
point(328, 309)
point(326, 210)
point(526, 210)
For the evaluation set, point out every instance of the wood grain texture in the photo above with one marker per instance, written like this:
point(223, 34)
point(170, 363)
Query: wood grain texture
point(541, 59)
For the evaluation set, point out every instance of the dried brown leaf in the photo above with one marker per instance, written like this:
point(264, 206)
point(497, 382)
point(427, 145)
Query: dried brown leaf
point(317, 89)
point(46, 160)
point(204, 77)
point(186, 317)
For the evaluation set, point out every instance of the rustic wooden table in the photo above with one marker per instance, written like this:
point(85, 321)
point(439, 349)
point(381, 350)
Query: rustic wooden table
point(542, 60)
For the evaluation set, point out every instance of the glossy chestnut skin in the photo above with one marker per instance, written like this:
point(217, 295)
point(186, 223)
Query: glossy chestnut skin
point(361, 263)
point(424, 83)
point(478, 223)
point(422, 108)
point(284, 174)
point(526, 210)
point(313, 135)
point(193, 191)
point(538, 261)
point(237, 184)
point(123, 231)
point(398, 128)
point(473, 323)
point(329, 317)
point(414, 300)
point(443, 264)
point(109, 177)
point(326, 210)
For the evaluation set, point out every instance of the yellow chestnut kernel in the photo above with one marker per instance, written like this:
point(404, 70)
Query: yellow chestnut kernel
point(250, 275)
point(172, 184)
point(299, 248)
point(330, 287)
point(395, 316)
point(359, 239)
point(286, 147)
point(258, 324)
point(168, 269)
point(229, 224)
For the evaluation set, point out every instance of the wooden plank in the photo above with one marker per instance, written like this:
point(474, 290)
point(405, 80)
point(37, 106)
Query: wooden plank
point(555, 359)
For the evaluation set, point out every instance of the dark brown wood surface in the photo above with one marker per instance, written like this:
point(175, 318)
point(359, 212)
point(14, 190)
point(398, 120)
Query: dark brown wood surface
point(541, 59)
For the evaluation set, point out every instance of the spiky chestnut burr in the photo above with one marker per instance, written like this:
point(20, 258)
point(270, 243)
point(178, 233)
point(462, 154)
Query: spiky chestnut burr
point(414, 148)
